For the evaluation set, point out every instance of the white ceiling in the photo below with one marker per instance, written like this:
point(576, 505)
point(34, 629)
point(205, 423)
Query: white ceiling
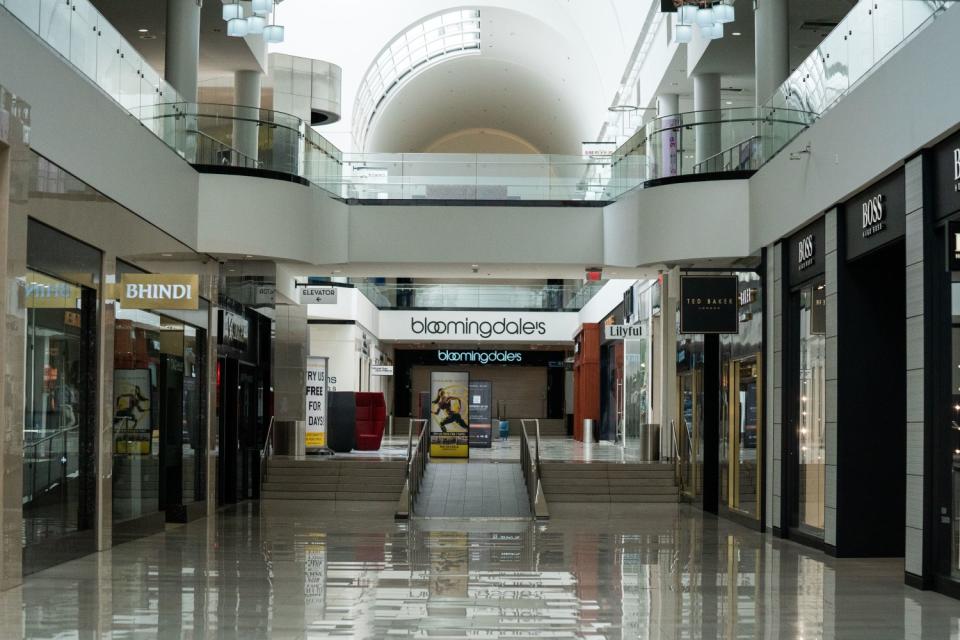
point(533, 39)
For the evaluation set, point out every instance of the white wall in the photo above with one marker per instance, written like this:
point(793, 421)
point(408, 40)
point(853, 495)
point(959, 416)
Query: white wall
point(75, 125)
point(465, 234)
point(909, 100)
point(338, 342)
point(243, 215)
point(678, 222)
point(609, 296)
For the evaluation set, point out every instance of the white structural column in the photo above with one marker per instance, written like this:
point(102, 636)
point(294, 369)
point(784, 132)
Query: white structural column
point(771, 46)
point(774, 384)
point(668, 106)
point(666, 350)
point(246, 92)
point(706, 102)
point(182, 50)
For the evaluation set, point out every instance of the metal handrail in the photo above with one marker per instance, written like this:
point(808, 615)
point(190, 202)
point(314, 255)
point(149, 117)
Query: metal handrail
point(32, 460)
point(415, 470)
point(677, 472)
point(530, 466)
point(267, 449)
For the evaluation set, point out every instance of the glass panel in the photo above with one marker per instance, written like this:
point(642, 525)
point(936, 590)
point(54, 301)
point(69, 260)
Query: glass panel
point(57, 438)
point(55, 25)
point(129, 78)
point(136, 450)
point(83, 38)
point(28, 11)
point(194, 432)
point(108, 59)
point(954, 436)
point(746, 433)
point(811, 438)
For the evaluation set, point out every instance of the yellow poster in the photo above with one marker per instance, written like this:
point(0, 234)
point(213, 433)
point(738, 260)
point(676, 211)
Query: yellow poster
point(449, 414)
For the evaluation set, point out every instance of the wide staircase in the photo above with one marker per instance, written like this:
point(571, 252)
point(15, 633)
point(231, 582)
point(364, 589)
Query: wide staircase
point(603, 482)
point(333, 480)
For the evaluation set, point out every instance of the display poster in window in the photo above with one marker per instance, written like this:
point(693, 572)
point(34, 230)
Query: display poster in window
point(449, 414)
point(709, 304)
point(132, 426)
point(316, 399)
point(481, 420)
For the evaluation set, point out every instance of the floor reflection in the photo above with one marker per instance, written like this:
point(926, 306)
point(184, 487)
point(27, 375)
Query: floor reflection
point(655, 571)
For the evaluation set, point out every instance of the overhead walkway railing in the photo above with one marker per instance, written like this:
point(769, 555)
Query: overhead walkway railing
point(530, 297)
point(869, 33)
point(78, 32)
point(740, 139)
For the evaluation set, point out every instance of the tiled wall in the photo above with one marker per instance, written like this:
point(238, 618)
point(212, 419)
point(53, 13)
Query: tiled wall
point(915, 367)
point(830, 426)
point(774, 382)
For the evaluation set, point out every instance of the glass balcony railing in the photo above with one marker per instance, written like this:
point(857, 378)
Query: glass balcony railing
point(740, 139)
point(78, 32)
point(863, 39)
point(532, 297)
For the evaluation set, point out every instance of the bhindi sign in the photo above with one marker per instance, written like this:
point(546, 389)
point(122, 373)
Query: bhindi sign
point(159, 291)
point(316, 399)
point(318, 295)
point(709, 304)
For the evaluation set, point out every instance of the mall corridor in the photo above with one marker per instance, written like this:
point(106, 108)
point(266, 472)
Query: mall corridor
point(659, 572)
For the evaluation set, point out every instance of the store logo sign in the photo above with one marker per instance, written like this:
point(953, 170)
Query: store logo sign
point(806, 252)
point(622, 331)
point(956, 169)
point(480, 357)
point(159, 291)
point(874, 212)
point(473, 328)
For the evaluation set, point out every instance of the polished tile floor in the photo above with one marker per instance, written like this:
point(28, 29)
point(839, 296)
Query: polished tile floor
point(470, 490)
point(652, 571)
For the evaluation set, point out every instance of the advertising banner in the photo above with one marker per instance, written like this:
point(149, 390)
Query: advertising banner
point(316, 398)
point(132, 428)
point(449, 414)
point(481, 419)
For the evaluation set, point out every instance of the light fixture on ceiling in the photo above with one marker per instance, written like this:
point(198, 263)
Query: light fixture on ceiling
point(708, 15)
point(232, 11)
point(262, 7)
point(255, 24)
point(143, 30)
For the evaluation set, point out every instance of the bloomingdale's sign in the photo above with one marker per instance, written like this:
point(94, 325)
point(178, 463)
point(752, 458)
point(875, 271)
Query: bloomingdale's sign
point(478, 326)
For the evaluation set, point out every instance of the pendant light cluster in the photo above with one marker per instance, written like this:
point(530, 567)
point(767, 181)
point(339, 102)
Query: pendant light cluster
point(708, 15)
point(256, 23)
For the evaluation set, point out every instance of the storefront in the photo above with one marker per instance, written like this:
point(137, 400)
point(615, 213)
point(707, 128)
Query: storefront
point(159, 411)
point(244, 398)
point(805, 386)
point(62, 292)
point(523, 383)
point(741, 408)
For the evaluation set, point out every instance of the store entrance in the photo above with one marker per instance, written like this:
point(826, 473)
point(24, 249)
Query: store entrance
point(240, 412)
point(740, 437)
point(690, 432)
point(872, 404)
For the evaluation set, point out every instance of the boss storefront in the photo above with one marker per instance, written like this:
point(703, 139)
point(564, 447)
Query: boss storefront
point(804, 385)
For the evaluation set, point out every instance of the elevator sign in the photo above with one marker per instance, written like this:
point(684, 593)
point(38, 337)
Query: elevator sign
point(318, 295)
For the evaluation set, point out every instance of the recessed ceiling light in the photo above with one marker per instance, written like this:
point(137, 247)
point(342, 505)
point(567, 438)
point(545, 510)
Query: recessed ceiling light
point(142, 30)
point(167, 255)
point(252, 256)
point(736, 33)
point(728, 102)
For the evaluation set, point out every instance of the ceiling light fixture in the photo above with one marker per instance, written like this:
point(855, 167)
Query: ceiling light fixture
point(256, 23)
point(708, 15)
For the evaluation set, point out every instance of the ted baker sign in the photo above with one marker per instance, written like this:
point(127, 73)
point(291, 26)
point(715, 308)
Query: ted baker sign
point(159, 291)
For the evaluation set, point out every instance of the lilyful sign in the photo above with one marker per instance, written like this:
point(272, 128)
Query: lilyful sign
point(159, 291)
point(621, 332)
point(709, 304)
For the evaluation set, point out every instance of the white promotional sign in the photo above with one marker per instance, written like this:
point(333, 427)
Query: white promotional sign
point(478, 326)
point(621, 331)
point(318, 295)
point(381, 370)
point(316, 398)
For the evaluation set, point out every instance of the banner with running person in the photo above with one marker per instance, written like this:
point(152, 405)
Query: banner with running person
point(449, 414)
